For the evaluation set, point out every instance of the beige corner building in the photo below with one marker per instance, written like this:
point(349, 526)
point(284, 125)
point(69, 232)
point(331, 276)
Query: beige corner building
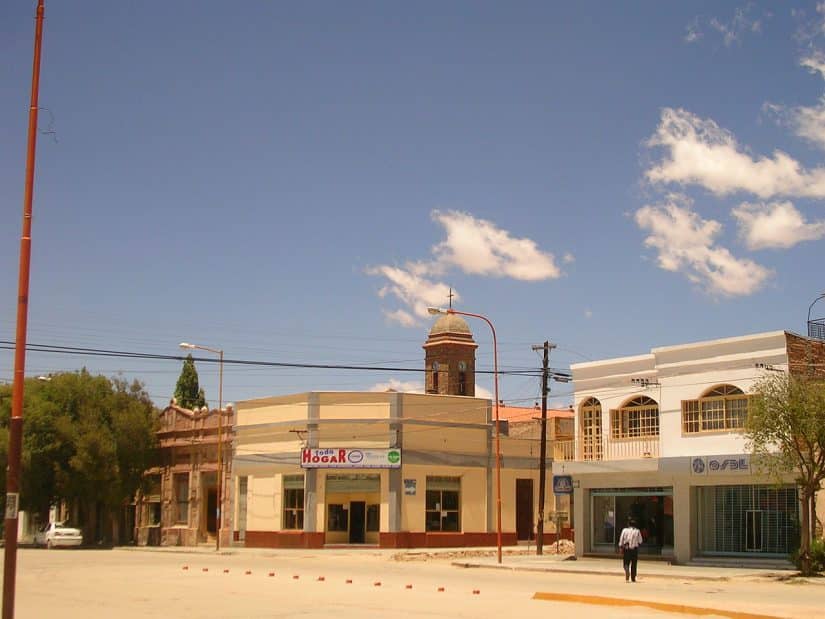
point(384, 469)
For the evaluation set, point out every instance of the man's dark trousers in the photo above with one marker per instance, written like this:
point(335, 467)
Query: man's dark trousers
point(630, 558)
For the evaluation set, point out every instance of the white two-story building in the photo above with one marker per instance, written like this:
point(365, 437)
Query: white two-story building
point(659, 437)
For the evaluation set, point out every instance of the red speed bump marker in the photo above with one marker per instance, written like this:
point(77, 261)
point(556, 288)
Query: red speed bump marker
point(349, 581)
point(206, 569)
point(321, 579)
point(377, 583)
point(408, 587)
point(248, 572)
point(476, 592)
point(441, 589)
point(186, 567)
point(271, 573)
point(226, 571)
point(295, 577)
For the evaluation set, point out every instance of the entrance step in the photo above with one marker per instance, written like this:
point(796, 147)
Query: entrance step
point(760, 563)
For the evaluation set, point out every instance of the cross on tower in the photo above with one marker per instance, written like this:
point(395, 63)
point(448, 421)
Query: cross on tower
point(451, 295)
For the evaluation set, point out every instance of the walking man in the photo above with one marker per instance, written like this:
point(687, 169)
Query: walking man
point(629, 542)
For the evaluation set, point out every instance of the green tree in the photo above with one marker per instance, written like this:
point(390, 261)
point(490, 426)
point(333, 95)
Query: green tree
point(86, 440)
point(187, 392)
point(786, 433)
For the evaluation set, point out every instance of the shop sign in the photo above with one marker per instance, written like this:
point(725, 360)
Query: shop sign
point(720, 465)
point(409, 487)
point(347, 458)
point(562, 484)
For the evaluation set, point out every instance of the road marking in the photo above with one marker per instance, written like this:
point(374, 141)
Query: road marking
point(664, 606)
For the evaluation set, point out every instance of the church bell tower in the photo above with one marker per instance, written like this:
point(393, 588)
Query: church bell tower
point(450, 357)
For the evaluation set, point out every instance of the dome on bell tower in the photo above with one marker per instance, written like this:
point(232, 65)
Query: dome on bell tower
point(450, 323)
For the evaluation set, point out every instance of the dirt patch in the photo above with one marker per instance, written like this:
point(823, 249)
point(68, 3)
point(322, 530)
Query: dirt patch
point(565, 547)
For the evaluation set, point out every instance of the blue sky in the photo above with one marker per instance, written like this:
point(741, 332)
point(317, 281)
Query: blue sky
point(296, 182)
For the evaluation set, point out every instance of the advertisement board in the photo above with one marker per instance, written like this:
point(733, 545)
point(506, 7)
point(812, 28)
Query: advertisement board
point(350, 458)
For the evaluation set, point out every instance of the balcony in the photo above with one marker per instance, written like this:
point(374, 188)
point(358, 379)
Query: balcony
point(588, 449)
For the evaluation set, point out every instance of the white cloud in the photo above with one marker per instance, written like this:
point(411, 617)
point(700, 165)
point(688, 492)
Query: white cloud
point(775, 225)
point(733, 31)
point(408, 286)
point(568, 258)
point(394, 384)
point(741, 24)
point(685, 243)
point(473, 246)
point(808, 122)
point(479, 247)
point(693, 31)
point(700, 152)
point(481, 392)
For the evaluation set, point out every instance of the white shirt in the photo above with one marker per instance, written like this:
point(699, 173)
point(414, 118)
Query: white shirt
point(630, 537)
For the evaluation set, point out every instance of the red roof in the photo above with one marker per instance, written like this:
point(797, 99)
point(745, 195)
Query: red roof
point(516, 414)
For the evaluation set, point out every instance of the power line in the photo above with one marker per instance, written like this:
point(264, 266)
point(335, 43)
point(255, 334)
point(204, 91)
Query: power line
point(100, 352)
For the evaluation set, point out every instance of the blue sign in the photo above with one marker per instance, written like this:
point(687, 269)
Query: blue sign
point(562, 484)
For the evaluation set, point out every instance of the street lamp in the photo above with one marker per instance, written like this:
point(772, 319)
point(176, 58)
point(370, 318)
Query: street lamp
point(436, 310)
point(218, 352)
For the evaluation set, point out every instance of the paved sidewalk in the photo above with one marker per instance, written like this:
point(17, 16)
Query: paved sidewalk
point(613, 567)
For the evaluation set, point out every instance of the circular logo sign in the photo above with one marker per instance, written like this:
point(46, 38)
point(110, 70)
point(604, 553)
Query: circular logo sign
point(394, 456)
point(698, 466)
point(355, 456)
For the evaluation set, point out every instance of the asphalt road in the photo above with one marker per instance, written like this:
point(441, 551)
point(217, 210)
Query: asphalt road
point(313, 584)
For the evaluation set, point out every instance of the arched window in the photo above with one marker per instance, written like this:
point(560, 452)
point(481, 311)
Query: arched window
point(721, 408)
point(638, 417)
point(590, 416)
point(462, 378)
point(435, 376)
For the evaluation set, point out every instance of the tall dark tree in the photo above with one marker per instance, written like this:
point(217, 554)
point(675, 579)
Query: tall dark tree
point(187, 392)
point(86, 441)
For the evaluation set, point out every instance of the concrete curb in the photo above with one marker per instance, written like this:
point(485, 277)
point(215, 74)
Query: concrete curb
point(596, 572)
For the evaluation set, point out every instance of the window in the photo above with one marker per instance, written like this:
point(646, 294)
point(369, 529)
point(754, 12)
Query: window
point(152, 513)
point(180, 483)
point(443, 504)
point(293, 502)
point(435, 376)
point(462, 378)
point(373, 517)
point(337, 517)
point(591, 420)
point(719, 409)
point(638, 418)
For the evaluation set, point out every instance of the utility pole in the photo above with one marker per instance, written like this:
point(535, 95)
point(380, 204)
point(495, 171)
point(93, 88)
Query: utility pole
point(16, 421)
point(546, 347)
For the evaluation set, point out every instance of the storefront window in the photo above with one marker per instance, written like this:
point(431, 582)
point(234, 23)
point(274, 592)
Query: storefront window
point(651, 508)
point(337, 518)
point(293, 502)
point(373, 517)
point(443, 504)
point(747, 519)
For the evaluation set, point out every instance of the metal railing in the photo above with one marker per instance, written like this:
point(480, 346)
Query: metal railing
point(606, 449)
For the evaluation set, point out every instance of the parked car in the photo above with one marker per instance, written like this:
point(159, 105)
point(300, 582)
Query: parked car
point(56, 534)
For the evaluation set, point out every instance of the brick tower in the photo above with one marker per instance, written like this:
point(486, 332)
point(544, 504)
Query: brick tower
point(450, 357)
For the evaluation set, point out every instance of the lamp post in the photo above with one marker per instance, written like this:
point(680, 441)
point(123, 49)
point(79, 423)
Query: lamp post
point(218, 352)
point(436, 310)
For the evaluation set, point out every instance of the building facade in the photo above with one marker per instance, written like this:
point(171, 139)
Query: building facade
point(385, 469)
point(179, 507)
point(659, 437)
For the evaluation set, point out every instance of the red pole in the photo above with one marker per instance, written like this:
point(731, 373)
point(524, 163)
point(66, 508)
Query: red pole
point(498, 427)
point(16, 425)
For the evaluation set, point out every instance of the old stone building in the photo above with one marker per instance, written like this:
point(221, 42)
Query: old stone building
point(179, 507)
